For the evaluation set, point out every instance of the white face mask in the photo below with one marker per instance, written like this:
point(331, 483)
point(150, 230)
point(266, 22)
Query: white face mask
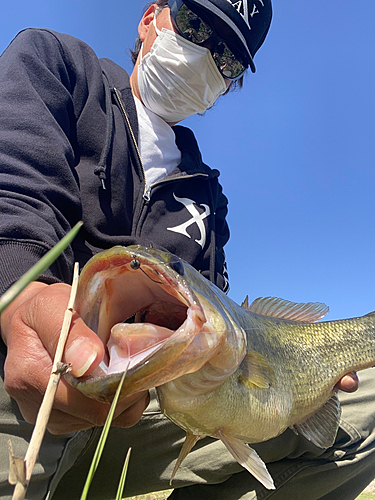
point(177, 78)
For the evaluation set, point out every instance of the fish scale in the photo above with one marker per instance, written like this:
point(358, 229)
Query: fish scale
point(329, 350)
point(239, 374)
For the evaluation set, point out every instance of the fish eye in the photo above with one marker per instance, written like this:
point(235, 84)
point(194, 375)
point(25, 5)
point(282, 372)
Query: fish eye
point(177, 266)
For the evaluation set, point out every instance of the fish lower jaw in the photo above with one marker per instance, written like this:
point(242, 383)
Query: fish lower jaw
point(150, 349)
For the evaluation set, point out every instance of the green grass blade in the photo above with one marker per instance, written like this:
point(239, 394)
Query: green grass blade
point(102, 440)
point(123, 476)
point(38, 268)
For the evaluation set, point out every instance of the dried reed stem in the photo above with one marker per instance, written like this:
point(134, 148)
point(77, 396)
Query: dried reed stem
point(23, 476)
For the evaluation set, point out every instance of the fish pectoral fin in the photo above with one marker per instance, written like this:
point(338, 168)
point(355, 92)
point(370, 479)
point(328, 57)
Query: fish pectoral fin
point(256, 372)
point(321, 427)
point(248, 458)
point(190, 440)
point(278, 308)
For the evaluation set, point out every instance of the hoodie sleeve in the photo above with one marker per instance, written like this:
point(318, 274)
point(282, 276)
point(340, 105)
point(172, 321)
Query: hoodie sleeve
point(43, 89)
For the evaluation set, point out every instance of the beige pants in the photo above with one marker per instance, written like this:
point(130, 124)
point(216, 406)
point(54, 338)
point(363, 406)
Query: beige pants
point(299, 469)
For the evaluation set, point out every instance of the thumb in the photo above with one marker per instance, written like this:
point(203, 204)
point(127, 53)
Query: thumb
point(44, 313)
point(84, 350)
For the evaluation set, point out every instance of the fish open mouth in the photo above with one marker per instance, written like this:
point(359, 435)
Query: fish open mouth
point(147, 317)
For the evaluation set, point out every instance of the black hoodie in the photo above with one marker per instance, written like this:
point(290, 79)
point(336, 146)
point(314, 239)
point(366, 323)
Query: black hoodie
point(66, 153)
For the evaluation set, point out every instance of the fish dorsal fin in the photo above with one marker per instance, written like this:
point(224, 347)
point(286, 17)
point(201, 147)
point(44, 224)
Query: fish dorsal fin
point(248, 458)
point(190, 440)
point(256, 372)
point(321, 427)
point(278, 308)
point(245, 304)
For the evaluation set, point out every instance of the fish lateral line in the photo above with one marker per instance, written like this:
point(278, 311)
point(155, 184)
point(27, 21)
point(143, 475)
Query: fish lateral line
point(285, 361)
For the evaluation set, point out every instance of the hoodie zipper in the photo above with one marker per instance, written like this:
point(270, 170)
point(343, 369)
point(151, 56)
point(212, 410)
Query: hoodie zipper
point(146, 188)
point(149, 187)
point(147, 196)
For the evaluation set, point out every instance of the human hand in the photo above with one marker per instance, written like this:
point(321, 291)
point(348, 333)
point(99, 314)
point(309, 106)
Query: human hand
point(348, 383)
point(30, 328)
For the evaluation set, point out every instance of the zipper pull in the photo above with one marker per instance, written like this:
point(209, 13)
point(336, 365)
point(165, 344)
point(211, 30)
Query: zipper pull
point(147, 193)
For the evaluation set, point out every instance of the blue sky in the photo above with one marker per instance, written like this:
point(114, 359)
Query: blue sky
point(295, 147)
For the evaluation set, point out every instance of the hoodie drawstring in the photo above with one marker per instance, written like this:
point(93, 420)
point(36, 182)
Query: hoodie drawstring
point(100, 170)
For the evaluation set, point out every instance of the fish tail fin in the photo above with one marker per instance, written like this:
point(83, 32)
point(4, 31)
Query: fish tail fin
point(189, 442)
point(249, 459)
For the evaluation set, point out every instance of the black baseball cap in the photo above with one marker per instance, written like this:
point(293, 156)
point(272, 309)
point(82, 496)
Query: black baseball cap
point(248, 19)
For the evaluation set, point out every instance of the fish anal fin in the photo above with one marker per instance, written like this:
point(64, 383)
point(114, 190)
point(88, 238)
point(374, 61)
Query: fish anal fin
point(278, 308)
point(248, 458)
point(256, 372)
point(190, 440)
point(321, 427)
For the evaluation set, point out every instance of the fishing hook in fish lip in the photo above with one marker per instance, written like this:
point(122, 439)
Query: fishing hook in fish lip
point(149, 277)
point(135, 265)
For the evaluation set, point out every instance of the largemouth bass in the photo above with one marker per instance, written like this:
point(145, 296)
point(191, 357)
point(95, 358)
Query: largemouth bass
point(239, 374)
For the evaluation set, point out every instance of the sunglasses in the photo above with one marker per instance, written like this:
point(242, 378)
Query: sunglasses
point(198, 29)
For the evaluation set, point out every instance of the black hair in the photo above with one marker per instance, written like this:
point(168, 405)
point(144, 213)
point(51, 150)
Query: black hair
point(162, 4)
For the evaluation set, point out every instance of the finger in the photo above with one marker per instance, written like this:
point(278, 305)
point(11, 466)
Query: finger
point(6, 316)
point(72, 410)
point(44, 314)
point(76, 404)
point(133, 413)
point(29, 390)
point(62, 423)
point(93, 413)
point(348, 383)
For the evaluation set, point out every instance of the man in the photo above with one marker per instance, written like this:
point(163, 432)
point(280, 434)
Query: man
point(79, 139)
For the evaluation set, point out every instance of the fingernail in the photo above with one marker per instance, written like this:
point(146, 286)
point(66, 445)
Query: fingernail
point(81, 354)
